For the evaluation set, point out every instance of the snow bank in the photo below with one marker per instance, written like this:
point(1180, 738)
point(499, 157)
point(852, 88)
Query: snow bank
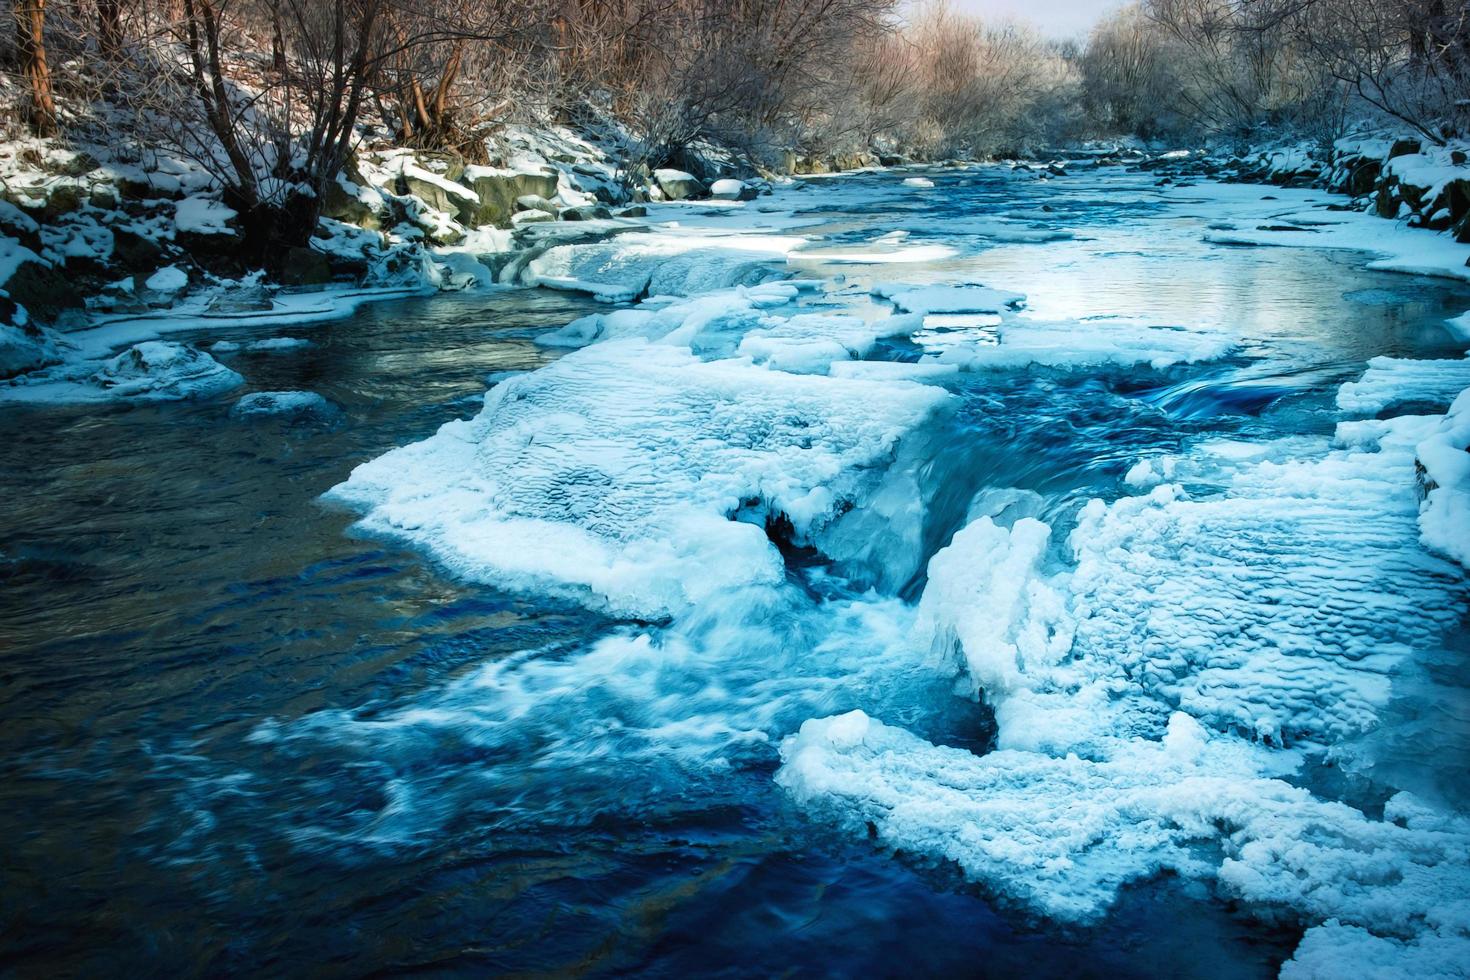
point(637, 478)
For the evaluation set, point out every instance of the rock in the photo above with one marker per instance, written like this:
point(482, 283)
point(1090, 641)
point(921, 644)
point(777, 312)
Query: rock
point(498, 190)
point(344, 201)
point(636, 211)
point(20, 226)
point(43, 289)
point(72, 164)
point(24, 348)
point(534, 202)
point(439, 193)
point(530, 218)
point(443, 163)
point(296, 406)
point(104, 195)
point(1404, 146)
point(245, 299)
point(170, 279)
point(585, 213)
point(730, 189)
point(134, 252)
point(678, 185)
point(305, 266)
point(1364, 177)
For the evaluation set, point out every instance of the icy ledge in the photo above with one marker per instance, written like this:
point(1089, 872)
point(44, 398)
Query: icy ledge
point(639, 479)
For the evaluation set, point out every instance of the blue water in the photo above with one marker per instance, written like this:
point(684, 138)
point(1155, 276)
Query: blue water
point(202, 668)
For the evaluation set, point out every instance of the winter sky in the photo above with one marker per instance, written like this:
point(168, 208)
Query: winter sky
point(1059, 19)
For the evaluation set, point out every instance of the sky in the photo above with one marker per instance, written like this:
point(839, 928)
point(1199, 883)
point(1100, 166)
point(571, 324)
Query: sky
point(1059, 19)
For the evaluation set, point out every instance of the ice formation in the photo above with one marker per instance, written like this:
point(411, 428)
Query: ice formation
point(949, 299)
point(1392, 381)
point(637, 477)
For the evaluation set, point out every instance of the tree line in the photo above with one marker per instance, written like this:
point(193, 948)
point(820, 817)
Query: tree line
point(271, 97)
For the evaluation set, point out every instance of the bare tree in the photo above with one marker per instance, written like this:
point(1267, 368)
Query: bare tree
point(30, 24)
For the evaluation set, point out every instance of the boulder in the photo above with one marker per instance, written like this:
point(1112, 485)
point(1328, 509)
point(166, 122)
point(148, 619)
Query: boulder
point(439, 193)
point(305, 266)
point(534, 202)
point(586, 213)
point(497, 191)
point(346, 201)
point(730, 189)
point(530, 217)
point(1403, 147)
point(636, 211)
point(678, 185)
point(134, 252)
point(43, 289)
point(24, 348)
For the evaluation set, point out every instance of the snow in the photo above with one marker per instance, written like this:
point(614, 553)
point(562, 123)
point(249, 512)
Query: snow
point(613, 474)
point(202, 216)
point(149, 371)
point(22, 351)
point(1392, 381)
point(948, 299)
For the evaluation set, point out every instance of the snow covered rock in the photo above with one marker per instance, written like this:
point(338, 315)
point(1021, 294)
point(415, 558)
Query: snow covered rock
point(295, 405)
point(729, 189)
point(26, 348)
point(160, 371)
point(439, 193)
point(678, 185)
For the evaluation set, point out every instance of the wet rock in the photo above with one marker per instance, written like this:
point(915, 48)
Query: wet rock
point(43, 289)
point(295, 406)
point(636, 211)
point(586, 214)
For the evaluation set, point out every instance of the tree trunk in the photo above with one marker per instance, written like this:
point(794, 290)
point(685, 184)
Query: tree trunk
point(30, 23)
point(109, 27)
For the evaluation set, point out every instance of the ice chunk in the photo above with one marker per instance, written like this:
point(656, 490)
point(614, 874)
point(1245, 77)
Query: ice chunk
point(917, 182)
point(1084, 344)
point(988, 603)
point(612, 474)
point(1279, 607)
point(949, 299)
point(812, 343)
point(629, 266)
point(1392, 381)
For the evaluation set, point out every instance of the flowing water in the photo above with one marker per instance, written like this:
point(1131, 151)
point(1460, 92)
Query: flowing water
point(239, 736)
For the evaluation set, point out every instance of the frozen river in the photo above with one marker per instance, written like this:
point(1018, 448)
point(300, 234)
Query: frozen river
point(1030, 586)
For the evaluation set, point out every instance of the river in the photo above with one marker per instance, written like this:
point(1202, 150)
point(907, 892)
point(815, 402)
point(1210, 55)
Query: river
point(241, 734)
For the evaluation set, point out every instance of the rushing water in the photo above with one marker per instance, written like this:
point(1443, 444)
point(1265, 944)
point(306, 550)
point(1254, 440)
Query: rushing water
point(239, 737)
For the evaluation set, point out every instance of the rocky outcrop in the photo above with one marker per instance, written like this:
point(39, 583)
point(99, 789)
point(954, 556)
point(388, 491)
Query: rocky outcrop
point(497, 191)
